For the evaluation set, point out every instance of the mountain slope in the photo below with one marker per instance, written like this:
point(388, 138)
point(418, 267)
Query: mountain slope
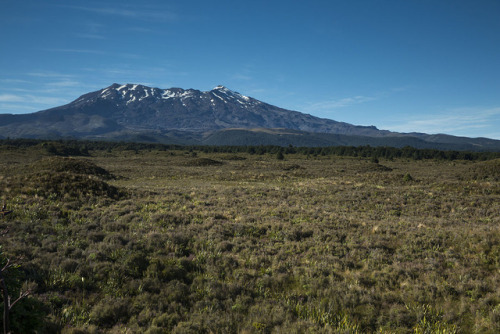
point(137, 107)
point(175, 115)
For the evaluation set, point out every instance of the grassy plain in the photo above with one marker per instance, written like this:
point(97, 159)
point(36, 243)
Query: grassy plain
point(156, 241)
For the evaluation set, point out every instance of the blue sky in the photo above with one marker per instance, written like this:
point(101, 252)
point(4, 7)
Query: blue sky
point(412, 65)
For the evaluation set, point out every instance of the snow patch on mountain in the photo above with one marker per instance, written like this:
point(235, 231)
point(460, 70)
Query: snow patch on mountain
point(134, 93)
point(167, 94)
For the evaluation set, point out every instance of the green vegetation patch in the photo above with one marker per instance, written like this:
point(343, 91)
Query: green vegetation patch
point(203, 162)
point(63, 178)
point(487, 170)
point(67, 185)
point(70, 165)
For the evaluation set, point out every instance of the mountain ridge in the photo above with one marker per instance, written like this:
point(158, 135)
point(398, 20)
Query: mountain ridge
point(124, 111)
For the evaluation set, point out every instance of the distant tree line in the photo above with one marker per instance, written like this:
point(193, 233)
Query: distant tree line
point(82, 148)
point(357, 151)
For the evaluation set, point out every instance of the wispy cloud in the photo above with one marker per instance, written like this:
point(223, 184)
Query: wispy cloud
point(92, 30)
point(148, 31)
point(10, 98)
point(457, 121)
point(48, 74)
point(22, 103)
point(131, 13)
point(87, 51)
point(90, 36)
point(64, 83)
point(97, 52)
point(10, 108)
point(141, 30)
point(30, 98)
point(325, 107)
point(244, 77)
point(331, 105)
point(38, 90)
point(14, 81)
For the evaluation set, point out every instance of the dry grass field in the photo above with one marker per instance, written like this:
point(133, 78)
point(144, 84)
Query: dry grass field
point(172, 241)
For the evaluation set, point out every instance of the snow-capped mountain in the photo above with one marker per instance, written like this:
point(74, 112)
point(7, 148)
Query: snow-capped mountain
point(138, 107)
point(219, 117)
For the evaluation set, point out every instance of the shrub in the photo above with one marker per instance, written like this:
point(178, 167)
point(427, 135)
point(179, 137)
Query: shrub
point(70, 165)
point(110, 311)
point(407, 177)
point(204, 162)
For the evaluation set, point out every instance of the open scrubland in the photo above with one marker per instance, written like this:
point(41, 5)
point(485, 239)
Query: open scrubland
point(161, 241)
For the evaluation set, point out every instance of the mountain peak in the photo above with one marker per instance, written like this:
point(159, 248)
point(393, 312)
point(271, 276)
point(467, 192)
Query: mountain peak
point(230, 93)
point(224, 89)
point(123, 110)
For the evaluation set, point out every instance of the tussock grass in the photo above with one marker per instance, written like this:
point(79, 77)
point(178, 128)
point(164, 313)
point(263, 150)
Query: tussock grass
point(487, 170)
point(320, 244)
